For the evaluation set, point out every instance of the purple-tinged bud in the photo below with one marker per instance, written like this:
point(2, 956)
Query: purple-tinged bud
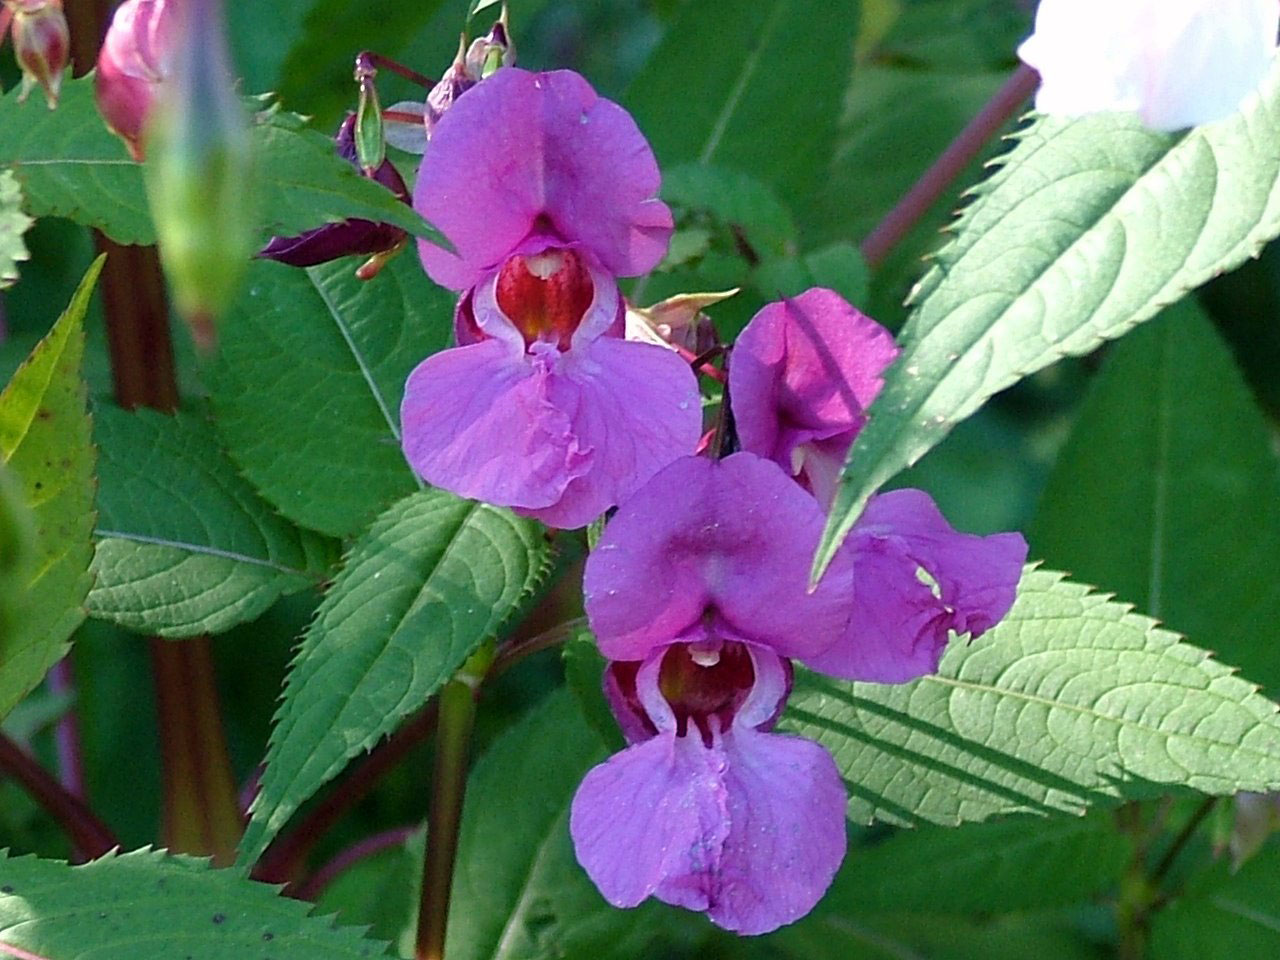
point(41, 45)
point(379, 241)
point(370, 137)
point(135, 60)
point(678, 322)
point(199, 171)
point(470, 65)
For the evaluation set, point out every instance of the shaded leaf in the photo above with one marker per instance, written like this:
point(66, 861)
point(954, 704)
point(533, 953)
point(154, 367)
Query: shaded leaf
point(149, 905)
point(185, 545)
point(1169, 482)
point(433, 578)
point(306, 387)
point(1072, 700)
point(1224, 916)
point(1090, 226)
point(44, 440)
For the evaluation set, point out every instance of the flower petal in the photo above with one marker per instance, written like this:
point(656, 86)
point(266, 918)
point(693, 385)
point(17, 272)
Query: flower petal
point(804, 371)
point(1177, 62)
point(786, 808)
point(734, 537)
point(652, 812)
point(520, 148)
point(899, 626)
point(637, 409)
point(484, 422)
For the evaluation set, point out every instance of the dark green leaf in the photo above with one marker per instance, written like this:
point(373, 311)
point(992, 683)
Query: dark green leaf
point(148, 905)
point(185, 545)
point(433, 578)
point(1224, 916)
point(1169, 482)
point(307, 385)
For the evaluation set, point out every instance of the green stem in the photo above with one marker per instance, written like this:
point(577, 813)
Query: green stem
point(448, 788)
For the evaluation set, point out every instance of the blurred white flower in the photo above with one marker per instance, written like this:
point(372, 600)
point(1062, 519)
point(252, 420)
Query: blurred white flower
point(1177, 63)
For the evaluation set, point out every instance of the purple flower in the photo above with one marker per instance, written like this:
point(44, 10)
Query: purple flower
point(699, 586)
point(346, 237)
point(547, 193)
point(801, 377)
point(136, 58)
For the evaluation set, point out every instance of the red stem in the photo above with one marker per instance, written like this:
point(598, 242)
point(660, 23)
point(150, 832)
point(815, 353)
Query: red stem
point(366, 59)
point(91, 837)
point(67, 731)
point(919, 200)
point(18, 952)
point(318, 882)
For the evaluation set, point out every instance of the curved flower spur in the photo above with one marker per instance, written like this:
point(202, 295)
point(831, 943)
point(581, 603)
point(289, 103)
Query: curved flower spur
point(548, 193)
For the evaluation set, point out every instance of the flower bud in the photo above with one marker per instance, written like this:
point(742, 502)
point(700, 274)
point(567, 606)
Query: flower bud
point(199, 172)
point(334, 240)
point(134, 61)
point(41, 44)
point(677, 322)
point(470, 65)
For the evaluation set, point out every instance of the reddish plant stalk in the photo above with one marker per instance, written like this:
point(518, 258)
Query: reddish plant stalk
point(953, 161)
point(90, 836)
point(318, 882)
point(12, 951)
point(67, 730)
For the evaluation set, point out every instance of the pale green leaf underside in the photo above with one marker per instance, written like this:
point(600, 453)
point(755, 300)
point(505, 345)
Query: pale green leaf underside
point(1090, 226)
point(70, 165)
point(1072, 700)
point(44, 439)
point(185, 545)
point(518, 892)
point(308, 379)
point(13, 224)
point(433, 578)
point(148, 905)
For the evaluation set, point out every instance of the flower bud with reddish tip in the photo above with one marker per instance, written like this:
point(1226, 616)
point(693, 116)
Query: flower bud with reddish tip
point(379, 241)
point(40, 44)
point(471, 65)
point(134, 62)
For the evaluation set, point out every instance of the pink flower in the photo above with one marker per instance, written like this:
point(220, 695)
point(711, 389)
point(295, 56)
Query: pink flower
point(801, 377)
point(699, 585)
point(136, 57)
point(547, 193)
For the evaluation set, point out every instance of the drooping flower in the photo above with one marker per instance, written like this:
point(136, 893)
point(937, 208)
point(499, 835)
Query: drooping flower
point(135, 59)
point(347, 237)
point(547, 193)
point(41, 45)
point(1177, 63)
point(699, 587)
point(802, 375)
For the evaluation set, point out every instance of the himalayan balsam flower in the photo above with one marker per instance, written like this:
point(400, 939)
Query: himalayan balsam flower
point(547, 193)
point(1177, 63)
point(801, 377)
point(347, 237)
point(699, 587)
point(136, 58)
point(41, 45)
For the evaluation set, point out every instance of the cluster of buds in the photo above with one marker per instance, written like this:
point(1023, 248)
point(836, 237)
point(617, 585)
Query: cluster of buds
point(41, 44)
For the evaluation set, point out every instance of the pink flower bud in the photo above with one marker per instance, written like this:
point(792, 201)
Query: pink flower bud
point(136, 58)
point(40, 43)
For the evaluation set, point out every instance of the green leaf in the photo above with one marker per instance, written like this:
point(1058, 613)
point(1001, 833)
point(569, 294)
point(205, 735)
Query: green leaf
point(185, 545)
point(71, 166)
point(755, 107)
point(307, 384)
point(1225, 916)
point(518, 891)
point(584, 668)
point(44, 439)
point(734, 200)
point(838, 266)
point(148, 905)
point(13, 224)
point(1024, 863)
point(1072, 700)
point(17, 546)
point(1090, 226)
point(1168, 482)
point(434, 578)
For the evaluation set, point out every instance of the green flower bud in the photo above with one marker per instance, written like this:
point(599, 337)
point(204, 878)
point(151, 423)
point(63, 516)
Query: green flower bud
point(200, 174)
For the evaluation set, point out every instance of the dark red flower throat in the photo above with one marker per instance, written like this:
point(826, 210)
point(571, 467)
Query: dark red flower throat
point(545, 295)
